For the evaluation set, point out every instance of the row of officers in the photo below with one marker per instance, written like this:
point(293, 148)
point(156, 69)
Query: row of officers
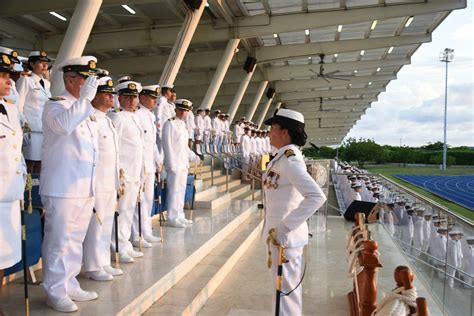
point(429, 237)
point(93, 161)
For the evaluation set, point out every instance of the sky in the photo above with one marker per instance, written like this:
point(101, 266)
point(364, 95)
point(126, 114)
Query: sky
point(411, 111)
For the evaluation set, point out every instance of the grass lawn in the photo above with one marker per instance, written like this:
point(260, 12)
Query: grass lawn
point(389, 171)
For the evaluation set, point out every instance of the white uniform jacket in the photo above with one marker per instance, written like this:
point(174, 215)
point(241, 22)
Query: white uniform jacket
point(13, 169)
point(32, 98)
point(291, 195)
point(190, 124)
point(130, 135)
point(108, 165)
point(70, 148)
point(175, 146)
point(246, 146)
point(199, 123)
point(151, 155)
point(207, 123)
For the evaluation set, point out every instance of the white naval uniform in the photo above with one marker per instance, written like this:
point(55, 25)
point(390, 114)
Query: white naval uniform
point(295, 199)
point(131, 144)
point(190, 124)
point(12, 180)
point(418, 237)
point(98, 237)
point(454, 259)
point(177, 157)
point(151, 160)
point(32, 97)
point(207, 129)
point(469, 264)
point(426, 235)
point(246, 152)
point(199, 131)
point(67, 188)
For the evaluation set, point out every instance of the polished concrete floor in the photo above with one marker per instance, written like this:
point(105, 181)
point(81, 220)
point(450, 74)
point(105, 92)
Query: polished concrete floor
point(247, 291)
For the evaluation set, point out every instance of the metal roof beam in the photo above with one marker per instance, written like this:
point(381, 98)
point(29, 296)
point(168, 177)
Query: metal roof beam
point(276, 53)
point(18, 31)
point(260, 25)
point(330, 103)
point(300, 84)
point(285, 72)
point(327, 93)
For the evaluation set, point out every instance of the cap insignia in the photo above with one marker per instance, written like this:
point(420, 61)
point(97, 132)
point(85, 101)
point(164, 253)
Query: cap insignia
point(43, 53)
point(110, 83)
point(6, 60)
point(15, 53)
point(132, 86)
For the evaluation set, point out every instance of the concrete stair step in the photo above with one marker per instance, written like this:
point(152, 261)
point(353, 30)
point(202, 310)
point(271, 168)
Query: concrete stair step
point(239, 189)
point(212, 200)
point(257, 196)
point(190, 294)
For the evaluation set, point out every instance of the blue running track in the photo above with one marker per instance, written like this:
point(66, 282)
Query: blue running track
point(457, 189)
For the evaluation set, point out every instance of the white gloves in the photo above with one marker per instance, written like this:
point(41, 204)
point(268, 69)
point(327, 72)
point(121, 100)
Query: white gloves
point(282, 235)
point(89, 88)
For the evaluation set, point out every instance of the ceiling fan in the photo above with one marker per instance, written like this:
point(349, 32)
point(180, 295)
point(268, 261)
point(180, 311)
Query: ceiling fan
point(330, 75)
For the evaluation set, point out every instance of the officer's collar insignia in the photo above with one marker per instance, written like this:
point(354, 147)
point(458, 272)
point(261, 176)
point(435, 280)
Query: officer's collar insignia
point(93, 118)
point(57, 98)
point(132, 86)
point(92, 64)
point(289, 153)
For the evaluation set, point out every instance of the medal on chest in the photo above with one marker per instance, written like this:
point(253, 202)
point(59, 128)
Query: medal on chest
point(271, 179)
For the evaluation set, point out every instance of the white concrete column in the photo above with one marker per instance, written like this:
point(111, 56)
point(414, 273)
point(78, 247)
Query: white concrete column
point(181, 45)
point(221, 70)
point(239, 94)
point(265, 108)
point(276, 107)
point(256, 100)
point(75, 39)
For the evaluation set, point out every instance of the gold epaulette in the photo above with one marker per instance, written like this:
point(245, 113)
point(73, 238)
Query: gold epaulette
point(57, 98)
point(289, 153)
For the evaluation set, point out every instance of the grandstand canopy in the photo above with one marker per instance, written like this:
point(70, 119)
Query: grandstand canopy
point(366, 41)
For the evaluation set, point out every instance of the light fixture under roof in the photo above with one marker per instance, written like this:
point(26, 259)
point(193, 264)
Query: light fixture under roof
point(339, 28)
point(309, 57)
point(370, 83)
point(362, 52)
point(275, 35)
point(306, 32)
point(130, 10)
point(374, 24)
point(410, 19)
point(378, 69)
point(335, 55)
point(355, 71)
point(57, 15)
point(390, 50)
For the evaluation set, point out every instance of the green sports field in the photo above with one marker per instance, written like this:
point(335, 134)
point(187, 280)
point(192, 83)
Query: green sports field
point(390, 170)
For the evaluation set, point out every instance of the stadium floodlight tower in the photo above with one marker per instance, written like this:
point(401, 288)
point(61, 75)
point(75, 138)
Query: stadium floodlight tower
point(446, 56)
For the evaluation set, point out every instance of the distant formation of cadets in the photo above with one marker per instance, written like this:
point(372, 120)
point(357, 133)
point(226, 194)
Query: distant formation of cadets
point(430, 237)
point(98, 147)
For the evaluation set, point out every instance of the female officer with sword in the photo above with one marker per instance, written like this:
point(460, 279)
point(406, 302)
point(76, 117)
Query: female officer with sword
point(291, 197)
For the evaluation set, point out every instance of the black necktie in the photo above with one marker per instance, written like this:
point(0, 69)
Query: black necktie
point(3, 110)
point(42, 83)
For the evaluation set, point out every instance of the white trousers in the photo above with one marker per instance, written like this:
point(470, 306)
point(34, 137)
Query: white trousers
point(32, 150)
point(175, 196)
point(10, 234)
point(126, 207)
point(98, 238)
point(146, 206)
point(66, 222)
point(291, 305)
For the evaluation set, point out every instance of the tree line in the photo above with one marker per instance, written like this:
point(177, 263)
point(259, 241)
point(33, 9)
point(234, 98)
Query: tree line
point(365, 150)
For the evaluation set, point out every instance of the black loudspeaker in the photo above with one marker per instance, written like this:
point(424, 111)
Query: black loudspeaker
point(250, 64)
point(270, 93)
point(368, 208)
point(193, 4)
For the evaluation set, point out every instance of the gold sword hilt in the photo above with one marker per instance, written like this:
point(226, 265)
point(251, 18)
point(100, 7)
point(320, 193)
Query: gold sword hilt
point(29, 188)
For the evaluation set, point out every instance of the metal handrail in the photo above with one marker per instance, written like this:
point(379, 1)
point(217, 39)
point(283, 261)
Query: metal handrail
point(243, 163)
point(240, 169)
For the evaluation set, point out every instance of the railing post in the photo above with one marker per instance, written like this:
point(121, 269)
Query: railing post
point(226, 179)
point(253, 189)
point(212, 170)
point(370, 261)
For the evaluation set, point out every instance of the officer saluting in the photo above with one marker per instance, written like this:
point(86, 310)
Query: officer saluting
point(177, 157)
point(12, 175)
point(130, 135)
point(97, 241)
point(291, 197)
point(67, 187)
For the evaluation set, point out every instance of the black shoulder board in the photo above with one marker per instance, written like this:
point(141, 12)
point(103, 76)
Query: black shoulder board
point(289, 153)
point(57, 98)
